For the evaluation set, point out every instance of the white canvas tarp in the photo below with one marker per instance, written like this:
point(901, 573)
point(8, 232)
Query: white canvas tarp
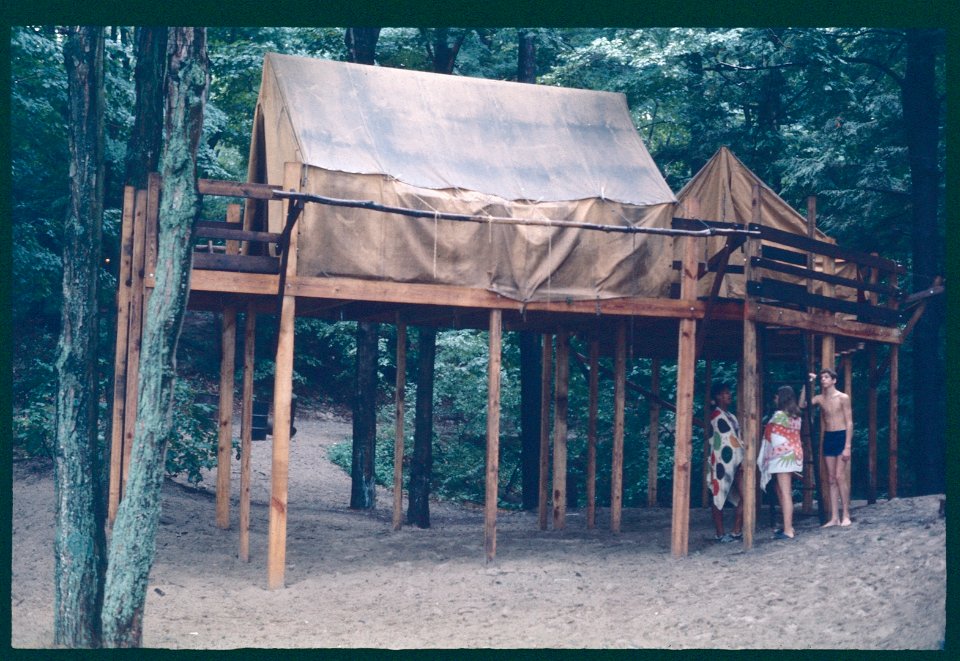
point(464, 145)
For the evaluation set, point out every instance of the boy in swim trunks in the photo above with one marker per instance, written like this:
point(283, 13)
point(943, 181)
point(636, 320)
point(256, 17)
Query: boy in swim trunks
point(837, 440)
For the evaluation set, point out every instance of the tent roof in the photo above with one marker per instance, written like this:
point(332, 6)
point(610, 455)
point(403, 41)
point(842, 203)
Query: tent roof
point(724, 188)
point(434, 131)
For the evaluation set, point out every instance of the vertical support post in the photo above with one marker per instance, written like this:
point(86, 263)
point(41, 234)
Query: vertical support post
point(135, 334)
point(120, 352)
point(846, 365)
point(750, 424)
point(686, 368)
point(493, 436)
point(707, 384)
point(619, 398)
point(560, 431)
point(401, 385)
point(592, 433)
point(872, 425)
point(546, 369)
point(827, 360)
point(894, 419)
point(246, 428)
point(809, 481)
point(228, 350)
point(653, 435)
point(282, 398)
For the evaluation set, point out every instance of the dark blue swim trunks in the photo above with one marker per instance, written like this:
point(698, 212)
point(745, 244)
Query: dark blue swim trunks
point(833, 442)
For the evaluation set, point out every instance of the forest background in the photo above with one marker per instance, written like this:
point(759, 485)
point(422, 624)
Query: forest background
point(831, 112)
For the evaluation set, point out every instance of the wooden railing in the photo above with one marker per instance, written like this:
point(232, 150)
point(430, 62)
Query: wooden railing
point(874, 278)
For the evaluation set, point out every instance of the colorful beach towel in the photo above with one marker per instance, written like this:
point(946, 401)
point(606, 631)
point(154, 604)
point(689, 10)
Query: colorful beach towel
point(726, 453)
point(781, 450)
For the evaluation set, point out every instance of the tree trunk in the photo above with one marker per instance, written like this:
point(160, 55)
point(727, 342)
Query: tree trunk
point(363, 494)
point(361, 44)
point(80, 513)
point(921, 109)
point(530, 385)
point(133, 543)
point(526, 57)
point(143, 148)
point(421, 464)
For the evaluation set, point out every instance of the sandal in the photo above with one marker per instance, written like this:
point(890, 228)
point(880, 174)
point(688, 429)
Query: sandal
point(782, 535)
point(723, 539)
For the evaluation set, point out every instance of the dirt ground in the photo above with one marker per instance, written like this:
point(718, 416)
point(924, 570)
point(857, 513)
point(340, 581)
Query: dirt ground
point(353, 582)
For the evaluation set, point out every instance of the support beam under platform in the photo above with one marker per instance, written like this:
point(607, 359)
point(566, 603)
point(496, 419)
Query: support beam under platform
point(493, 437)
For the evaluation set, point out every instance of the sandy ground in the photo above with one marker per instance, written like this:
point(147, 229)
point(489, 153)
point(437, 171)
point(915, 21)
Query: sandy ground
point(353, 582)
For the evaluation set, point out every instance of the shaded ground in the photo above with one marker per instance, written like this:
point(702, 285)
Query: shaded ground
point(353, 582)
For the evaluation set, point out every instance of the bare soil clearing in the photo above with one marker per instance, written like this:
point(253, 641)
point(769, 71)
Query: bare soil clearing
point(353, 582)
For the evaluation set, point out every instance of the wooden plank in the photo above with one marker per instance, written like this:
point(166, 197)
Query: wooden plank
point(592, 433)
point(151, 224)
point(246, 428)
point(400, 391)
point(236, 263)
point(653, 434)
point(560, 402)
point(134, 335)
point(445, 295)
point(825, 248)
point(228, 344)
point(894, 420)
point(546, 369)
point(787, 293)
point(748, 396)
point(783, 255)
point(806, 434)
point(619, 406)
point(282, 397)
point(771, 265)
point(218, 230)
point(686, 366)
point(493, 435)
point(821, 323)
point(872, 425)
point(120, 352)
point(237, 189)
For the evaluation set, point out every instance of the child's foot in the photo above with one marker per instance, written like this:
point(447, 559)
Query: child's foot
point(831, 523)
point(846, 522)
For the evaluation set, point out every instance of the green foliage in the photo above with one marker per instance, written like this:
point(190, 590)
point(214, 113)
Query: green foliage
point(192, 443)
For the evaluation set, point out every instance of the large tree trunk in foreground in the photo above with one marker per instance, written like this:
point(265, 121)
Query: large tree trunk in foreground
point(80, 514)
point(421, 464)
point(133, 544)
point(363, 493)
point(361, 44)
point(146, 139)
point(921, 108)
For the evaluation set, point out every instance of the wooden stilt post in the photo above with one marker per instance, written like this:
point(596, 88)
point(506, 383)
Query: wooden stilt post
point(619, 399)
point(686, 377)
point(707, 385)
point(872, 424)
point(546, 369)
point(228, 350)
point(493, 436)
point(282, 398)
point(246, 428)
point(560, 431)
point(592, 433)
point(750, 423)
point(653, 435)
point(400, 389)
point(135, 334)
point(120, 352)
point(809, 481)
point(894, 418)
point(827, 360)
point(846, 365)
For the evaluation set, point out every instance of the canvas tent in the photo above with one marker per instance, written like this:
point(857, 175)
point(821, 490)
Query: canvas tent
point(463, 145)
point(724, 190)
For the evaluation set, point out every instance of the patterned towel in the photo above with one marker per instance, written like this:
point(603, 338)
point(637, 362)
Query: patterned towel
point(726, 453)
point(781, 450)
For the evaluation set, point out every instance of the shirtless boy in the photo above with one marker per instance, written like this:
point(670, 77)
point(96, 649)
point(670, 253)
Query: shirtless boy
point(837, 439)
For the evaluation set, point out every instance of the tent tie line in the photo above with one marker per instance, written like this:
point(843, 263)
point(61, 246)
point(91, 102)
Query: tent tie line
point(501, 220)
